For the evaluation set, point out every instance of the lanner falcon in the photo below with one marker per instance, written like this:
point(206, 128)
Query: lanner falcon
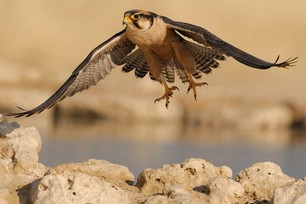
point(157, 45)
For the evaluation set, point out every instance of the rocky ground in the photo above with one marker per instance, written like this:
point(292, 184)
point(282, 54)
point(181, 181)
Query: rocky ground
point(25, 180)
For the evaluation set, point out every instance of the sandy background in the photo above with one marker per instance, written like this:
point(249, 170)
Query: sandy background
point(43, 41)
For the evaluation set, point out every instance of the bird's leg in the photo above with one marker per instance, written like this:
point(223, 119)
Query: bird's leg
point(193, 85)
point(168, 93)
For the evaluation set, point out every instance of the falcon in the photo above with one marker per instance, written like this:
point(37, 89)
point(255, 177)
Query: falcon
point(155, 45)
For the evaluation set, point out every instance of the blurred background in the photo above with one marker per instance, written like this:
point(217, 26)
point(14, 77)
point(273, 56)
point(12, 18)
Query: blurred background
point(244, 116)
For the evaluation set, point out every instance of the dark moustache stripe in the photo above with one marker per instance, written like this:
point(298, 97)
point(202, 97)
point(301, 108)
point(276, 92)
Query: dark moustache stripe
point(136, 24)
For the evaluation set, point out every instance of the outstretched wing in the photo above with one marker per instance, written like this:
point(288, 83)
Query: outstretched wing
point(204, 37)
point(94, 67)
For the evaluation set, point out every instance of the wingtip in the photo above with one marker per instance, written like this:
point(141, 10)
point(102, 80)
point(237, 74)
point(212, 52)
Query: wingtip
point(15, 115)
point(24, 112)
point(290, 62)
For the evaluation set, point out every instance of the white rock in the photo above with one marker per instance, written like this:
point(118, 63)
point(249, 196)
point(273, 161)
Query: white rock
point(225, 190)
point(96, 181)
point(177, 194)
point(4, 194)
point(158, 199)
point(189, 174)
point(101, 169)
point(19, 165)
point(19, 153)
point(294, 192)
point(261, 179)
point(26, 144)
point(180, 195)
point(68, 187)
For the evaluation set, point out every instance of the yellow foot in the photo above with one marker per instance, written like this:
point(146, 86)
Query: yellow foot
point(193, 85)
point(167, 95)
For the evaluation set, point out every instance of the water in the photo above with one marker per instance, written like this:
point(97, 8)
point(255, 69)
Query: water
point(140, 146)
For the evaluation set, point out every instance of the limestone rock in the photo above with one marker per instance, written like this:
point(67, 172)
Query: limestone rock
point(25, 180)
point(7, 196)
point(294, 192)
point(189, 174)
point(158, 199)
point(19, 149)
point(225, 190)
point(177, 194)
point(193, 181)
point(261, 179)
point(75, 187)
point(19, 154)
point(101, 169)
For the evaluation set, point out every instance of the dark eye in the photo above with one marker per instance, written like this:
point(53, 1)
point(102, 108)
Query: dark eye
point(135, 17)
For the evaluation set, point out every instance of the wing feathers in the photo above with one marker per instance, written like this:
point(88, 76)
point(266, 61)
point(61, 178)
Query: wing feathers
point(96, 66)
point(206, 38)
point(137, 61)
point(204, 56)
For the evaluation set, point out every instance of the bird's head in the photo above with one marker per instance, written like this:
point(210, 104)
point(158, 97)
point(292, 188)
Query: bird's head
point(138, 19)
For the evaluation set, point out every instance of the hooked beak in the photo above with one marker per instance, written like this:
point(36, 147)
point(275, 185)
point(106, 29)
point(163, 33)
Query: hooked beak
point(126, 20)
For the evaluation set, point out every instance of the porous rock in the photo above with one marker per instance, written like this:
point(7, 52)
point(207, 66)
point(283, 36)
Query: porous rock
point(261, 179)
point(75, 187)
point(104, 170)
point(293, 192)
point(19, 149)
point(192, 181)
point(25, 180)
point(225, 190)
point(189, 174)
point(177, 194)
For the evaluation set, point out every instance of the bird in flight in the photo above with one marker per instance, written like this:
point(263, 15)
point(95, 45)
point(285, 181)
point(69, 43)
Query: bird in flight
point(154, 44)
